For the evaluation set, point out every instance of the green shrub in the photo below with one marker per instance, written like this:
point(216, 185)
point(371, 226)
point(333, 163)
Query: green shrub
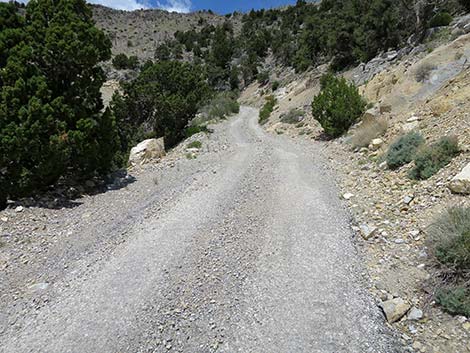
point(164, 97)
point(263, 78)
point(52, 121)
point(430, 159)
point(220, 107)
point(455, 301)
point(193, 130)
point(403, 150)
point(293, 116)
point(368, 131)
point(440, 19)
point(275, 86)
point(450, 238)
point(122, 62)
point(267, 109)
point(338, 106)
point(195, 144)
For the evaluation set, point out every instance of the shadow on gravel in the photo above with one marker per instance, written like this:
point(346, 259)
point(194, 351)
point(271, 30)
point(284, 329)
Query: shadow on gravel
point(67, 193)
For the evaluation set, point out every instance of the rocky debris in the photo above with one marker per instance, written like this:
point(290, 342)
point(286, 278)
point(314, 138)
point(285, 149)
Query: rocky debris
point(39, 287)
point(348, 196)
point(147, 151)
point(415, 314)
point(408, 199)
point(367, 231)
point(19, 209)
point(395, 309)
point(460, 184)
point(371, 113)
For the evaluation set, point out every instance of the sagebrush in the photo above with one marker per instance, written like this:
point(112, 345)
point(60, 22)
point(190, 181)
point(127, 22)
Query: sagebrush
point(430, 159)
point(403, 150)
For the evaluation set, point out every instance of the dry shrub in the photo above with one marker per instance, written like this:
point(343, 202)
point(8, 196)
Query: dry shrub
point(369, 130)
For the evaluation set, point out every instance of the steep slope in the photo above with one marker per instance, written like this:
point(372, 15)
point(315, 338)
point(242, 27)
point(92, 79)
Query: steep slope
point(140, 32)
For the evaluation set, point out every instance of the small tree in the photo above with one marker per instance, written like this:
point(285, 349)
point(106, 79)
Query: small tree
point(51, 118)
point(338, 106)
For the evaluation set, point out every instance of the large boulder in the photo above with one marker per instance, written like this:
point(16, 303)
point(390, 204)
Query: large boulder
point(147, 151)
point(460, 184)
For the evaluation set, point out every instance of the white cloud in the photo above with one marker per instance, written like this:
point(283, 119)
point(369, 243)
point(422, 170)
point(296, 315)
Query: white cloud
point(128, 5)
point(183, 6)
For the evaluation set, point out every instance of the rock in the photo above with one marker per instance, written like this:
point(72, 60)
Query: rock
point(385, 108)
point(19, 209)
point(192, 150)
point(367, 231)
point(407, 199)
point(415, 314)
point(348, 196)
point(39, 287)
point(412, 119)
point(395, 309)
point(460, 184)
point(408, 127)
point(147, 151)
point(376, 144)
point(4, 219)
point(466, 326)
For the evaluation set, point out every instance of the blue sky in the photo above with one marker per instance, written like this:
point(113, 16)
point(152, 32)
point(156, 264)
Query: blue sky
point(219, 6)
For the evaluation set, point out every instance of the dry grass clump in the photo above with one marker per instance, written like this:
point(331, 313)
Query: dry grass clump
point(369, 130)
point(423, 72)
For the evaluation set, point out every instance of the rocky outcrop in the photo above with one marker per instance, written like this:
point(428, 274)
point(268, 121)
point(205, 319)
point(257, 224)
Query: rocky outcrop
point(460, 184)
point(147, 151)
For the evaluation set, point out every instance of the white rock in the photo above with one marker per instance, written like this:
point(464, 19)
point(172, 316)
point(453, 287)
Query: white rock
point(407, 199)
point(147, 151)
point(415, 314)
point(39, 287)
point(19, 209)
point(460, 184)
point(4, 219)
point(348, 196)
point(407, 127)
point(367, 231)
point(376, 144)
point(412, 119)
point(395, 309)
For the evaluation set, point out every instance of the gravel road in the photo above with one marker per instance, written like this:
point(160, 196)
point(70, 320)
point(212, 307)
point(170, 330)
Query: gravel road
point(245, 249)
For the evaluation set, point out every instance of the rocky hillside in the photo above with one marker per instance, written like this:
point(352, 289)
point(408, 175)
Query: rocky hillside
point(140, 32)
point(423, 89)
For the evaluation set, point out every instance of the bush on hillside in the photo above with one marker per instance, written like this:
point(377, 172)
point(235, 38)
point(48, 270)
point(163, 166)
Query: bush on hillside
point(267, 109)
point(450, 237)
point(275, 86)
point(430, 159)
point(403, 150)
point(162, 99)
point(123, 62)
point(454, 300)
point(450, 241)
point(423, 72)
point(51, 119)
point(220, 107)
point(263, 78)
point(293, 116)
point(369, 130)
point(338, 106)
point(440, 19)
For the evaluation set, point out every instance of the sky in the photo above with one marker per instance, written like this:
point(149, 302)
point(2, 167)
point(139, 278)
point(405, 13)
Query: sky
point(219, 6)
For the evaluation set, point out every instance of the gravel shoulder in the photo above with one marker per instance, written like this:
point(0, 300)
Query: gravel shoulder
point(247, 248)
